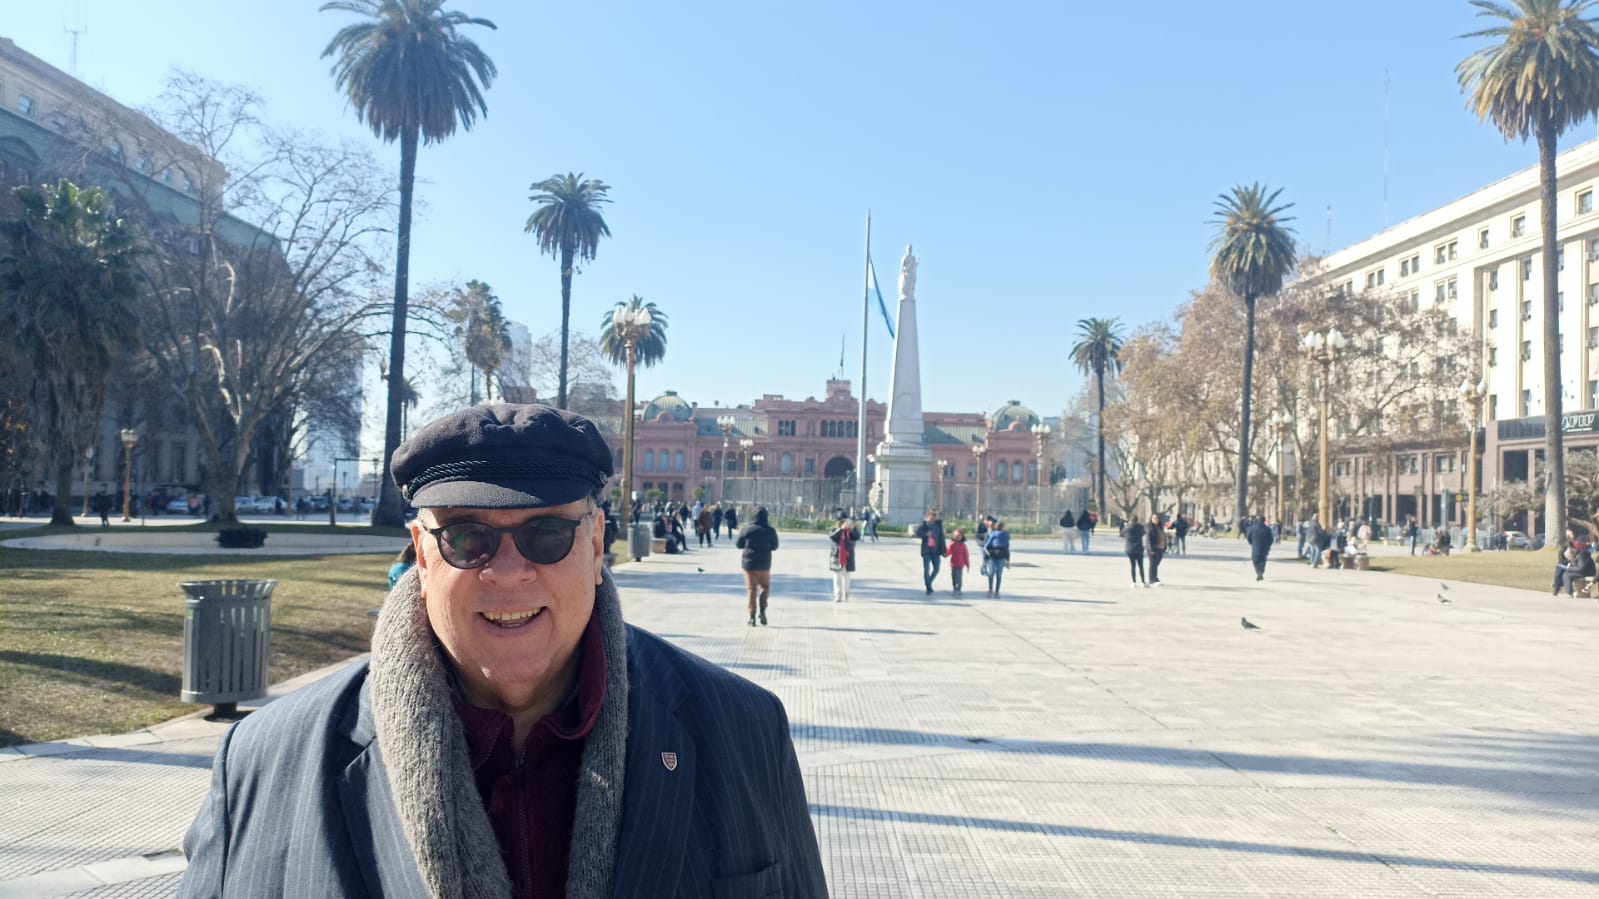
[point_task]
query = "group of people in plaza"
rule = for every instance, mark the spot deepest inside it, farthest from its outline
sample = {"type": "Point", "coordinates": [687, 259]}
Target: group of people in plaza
{"type": "Point", "coordinates": [672, 522]}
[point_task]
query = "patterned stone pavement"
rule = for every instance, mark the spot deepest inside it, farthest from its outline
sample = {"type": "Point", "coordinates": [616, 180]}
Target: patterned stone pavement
{"type": "Point", "coordinates": [1076, 737]}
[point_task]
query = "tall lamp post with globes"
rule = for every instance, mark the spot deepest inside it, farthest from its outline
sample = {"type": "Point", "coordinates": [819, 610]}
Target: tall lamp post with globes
{"type": "Point", "coordinates": [1324, 347]}
{"type": "Point", "coordinates": [943, 470]}
{"type": "Point", "coordinates": [977, 504]}
{"type": "Point", "coordinates": [724, 423]}
{"type": "Point", "coordinates": [1473, 395]}
{"type": "Point", "coordinates": [633, 326]}
{"type": "Point", "coordinates": [129, 438]}
{"type": "Point", "coordinates": [1040, 434]}
{"type": "Point", "coordinates": [755, 468]}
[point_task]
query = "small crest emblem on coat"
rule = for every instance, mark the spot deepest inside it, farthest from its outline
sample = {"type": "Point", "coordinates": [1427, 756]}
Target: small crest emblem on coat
{"type": "Point", "coordinates": [669, 759]}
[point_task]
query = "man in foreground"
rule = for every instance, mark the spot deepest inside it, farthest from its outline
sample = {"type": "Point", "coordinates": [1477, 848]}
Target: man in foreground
{"type": "Point", "coordinates": [511, 734]}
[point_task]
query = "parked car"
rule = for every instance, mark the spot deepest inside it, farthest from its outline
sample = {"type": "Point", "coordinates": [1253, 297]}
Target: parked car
{"type": "Point", "coordinates": [319, 503]}
{"type": "Point", "coordinates": [1517, 540]}
{"type": "Point", "coordinates": [178, 507]}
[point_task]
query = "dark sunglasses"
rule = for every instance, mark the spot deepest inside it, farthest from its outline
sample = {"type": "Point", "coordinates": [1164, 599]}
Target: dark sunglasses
{"type": "Point", "coordinates": [471, 544]}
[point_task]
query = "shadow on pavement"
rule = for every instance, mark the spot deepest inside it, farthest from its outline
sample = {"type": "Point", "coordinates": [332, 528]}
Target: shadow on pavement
{"type": "Point", "coordinates": [1356, 856]}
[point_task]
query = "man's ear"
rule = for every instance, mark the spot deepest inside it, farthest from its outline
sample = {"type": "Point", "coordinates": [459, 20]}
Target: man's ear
{"type": "Point", "coordinates": [417, 537]}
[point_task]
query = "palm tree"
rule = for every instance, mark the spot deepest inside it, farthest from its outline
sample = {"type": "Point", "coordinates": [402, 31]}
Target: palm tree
{"type": "Point", "coordinates": [1540, 79]}
{"type": "Point", "coordinates": [69, 290]}
{"type": "Point", "coordinates": [410, 76]}
{"type": "Point", "coordinates": [568, 224]}
{"type": "Point", "coordinates": [1099, 348]}
{"type": "Point", "coordinates": [1254, 253]}
{"type": "Point", "coordinates": [483, 330]}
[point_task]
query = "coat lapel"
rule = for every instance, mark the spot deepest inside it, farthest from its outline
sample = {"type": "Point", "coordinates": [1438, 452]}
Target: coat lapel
{"type": "Point", "coordinates": [370, 815]}
{"type": "Point", "coordinates": [658, 796]}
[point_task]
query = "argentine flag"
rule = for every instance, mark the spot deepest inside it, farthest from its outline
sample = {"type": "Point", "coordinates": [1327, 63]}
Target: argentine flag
{"type": "Point", "coordinates": [871, 284]}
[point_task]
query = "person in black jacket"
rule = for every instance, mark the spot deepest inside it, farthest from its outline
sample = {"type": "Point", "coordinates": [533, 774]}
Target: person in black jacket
{"type": "Point", "coordinates": [1133, 539]}
{"type": "Point", "coordinates": [930, 533]}
{"type": "Point", "coordinates": [1260, 540]}
{"type": "Point", "coordinates": [1068, 527]}
{"type": "Point", "coordinates": [1155, 537]}
{"type": "Point", "coordinates": [758, 542]}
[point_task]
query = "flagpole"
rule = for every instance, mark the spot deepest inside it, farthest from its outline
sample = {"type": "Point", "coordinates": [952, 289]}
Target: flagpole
{"type": "Point", "coordinates": [860, 425]}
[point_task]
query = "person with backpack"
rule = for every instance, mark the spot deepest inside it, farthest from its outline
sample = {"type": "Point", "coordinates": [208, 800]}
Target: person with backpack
{"type": "Point", "coordinates": [1068, 523]}
{"type": "Point", "coordinates": [1155, 537]}
{"type": "Point", "coordinates": [1133, 544]}
{"type": "Point", "coordinates": [758, 541]}
{"type": "Point", "coordinates": [1085, 526]}
{"type": "Point", "coordinates": [996, 555]}
{"type": "Point", "coordinates": [841, 559]}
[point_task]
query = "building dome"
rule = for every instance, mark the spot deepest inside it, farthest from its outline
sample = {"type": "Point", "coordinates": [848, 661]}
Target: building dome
{"type": "Point", "coordinates": [1014, 416]}
{"type": "Point", "coordinates": [668, 407]}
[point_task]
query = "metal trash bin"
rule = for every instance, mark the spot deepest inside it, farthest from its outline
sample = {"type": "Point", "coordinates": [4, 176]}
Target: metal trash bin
{"type": "Point", "coordinates": [227, 642]}
{"type": "Point", "coordinates": [638, 540]}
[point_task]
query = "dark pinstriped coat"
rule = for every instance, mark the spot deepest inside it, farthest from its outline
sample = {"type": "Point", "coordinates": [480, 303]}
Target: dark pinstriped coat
{"type": "Point", "coordinates": [300, 804]}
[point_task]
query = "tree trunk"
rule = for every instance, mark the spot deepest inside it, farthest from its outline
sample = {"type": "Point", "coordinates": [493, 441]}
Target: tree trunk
{"type": "Point", "coordinates": [389, 511]}
{"type": "Point", "coordinates": [1099, 372]}
{"type": "Point", "coordinates": [1554, 453]}
{"type": "Point", "coordinates": [61, 504]}
{"type": "Point", "coordinates": [566, 320]}
{"type": "Point", "coordinates": [1241, 508]}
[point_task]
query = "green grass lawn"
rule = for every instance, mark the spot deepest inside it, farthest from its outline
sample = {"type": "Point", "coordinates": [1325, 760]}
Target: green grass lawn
{"type": "Point", "coordinates": [92, 642]}
{"type": "Point", "coordinates": [1514, 568]}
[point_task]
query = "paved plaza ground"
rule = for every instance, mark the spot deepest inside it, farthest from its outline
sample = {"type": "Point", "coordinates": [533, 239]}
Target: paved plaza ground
{"type": "Point", "coordinates": [1076, 737]}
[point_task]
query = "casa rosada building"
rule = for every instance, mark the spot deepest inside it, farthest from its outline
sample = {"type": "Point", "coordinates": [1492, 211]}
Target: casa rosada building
{"type": "Point", "coordinates": [806, 448]}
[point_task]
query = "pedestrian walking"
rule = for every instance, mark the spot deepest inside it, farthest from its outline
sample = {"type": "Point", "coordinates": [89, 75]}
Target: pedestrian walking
{"type": "Point", "coordinates": [717, 514]}
{"type": "Point", "coordinates": [102, 504]}
{"type": "Point", "coordinates": [996, 555]}
{"type": "Point", "coordinates": [841, 559]}
{"type": "Point", "coordinates": [1260, 541]}
{"type": "Point", "coordinates": [702, 526]}
{"type": "Point", "coordinates": [1085, 526]}
{"type": "Point", "coordinates": [1410, 532]}
{"type": "Point", "coordinates": [1068, 524]}
{"type": "Point", "coordinates": [959, 559]}
{"type": "Point", "coordinates": [758, 542]}
{"type": "Point", "coordinates": [930, 534]}
{"type": "Point", "coordinates": [484, 748]}
{"type": "Point", "coordinates": [1132, 534]}
{"type": "Point", "coordinates": [731, 518]}
{"type": "Point", "coordinates": [1155, 539]}
{"type": "Point", "coordinates": [1180, 535]}
{"type": "Point", "coordinates": [871, 522]}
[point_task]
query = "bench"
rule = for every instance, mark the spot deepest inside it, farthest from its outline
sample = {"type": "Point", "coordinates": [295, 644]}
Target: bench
{"type": "Point", "coordinates": [658, 545]}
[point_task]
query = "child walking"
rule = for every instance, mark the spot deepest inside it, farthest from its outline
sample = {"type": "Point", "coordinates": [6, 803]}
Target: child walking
{"type": "Point", "coordinates": [959, 558]}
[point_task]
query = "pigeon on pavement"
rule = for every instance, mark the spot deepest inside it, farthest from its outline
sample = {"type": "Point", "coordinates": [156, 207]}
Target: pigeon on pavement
{"type": "Point", "coordinates": [1442, 598]}
{"type": "Point", "coordinates": [700, 570]}
{"type": "Point", "coordinates": [1249, 625]}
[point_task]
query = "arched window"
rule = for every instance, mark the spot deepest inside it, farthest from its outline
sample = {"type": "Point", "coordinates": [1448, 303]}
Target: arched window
{"type": "Point", "coordinates": [706, 462]}
{"type": "Point", "coordinates": [1000, 471]}
{"type": "Point", "coordinates": [649, 460]}
{"type": "Point", "coordinates": [1016, 471]}
{"type": "Point", "coordinates": [677, 461]}
{"type": "Point", "coordinates": [785, 464]}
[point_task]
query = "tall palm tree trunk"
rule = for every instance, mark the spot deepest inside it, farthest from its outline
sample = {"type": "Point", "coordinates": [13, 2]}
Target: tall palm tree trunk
{"type": "Point", "coordinates": [388, 512]}
{"type": "Point", "coordinates": [1241, 507]}
{"type": "Point", "coordinates": [566, 320]}
{"type": "Point", "coordinates": [1099, 372]}
{"type": "Point", "coordinates": [1554, 454]}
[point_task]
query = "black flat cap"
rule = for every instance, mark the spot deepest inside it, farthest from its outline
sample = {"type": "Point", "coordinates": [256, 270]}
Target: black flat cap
{"type": "Point", "coordinates": [502, 456]}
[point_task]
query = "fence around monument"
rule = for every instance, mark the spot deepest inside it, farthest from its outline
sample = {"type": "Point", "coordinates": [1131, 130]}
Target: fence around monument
{"type": "Point", "coordinates": [818, 497]}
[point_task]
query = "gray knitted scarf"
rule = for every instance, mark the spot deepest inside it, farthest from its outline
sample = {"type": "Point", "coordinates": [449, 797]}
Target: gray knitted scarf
{"type": "Point", "coordinates": [430, 771]}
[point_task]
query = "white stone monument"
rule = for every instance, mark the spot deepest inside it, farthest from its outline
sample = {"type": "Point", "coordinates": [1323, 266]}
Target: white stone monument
{"type": "Point", "coordinates": [904, 463]}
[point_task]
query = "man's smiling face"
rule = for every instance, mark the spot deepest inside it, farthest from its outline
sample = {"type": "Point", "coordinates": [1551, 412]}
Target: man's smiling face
{"type": "Point", "coordinates": [511, 627]}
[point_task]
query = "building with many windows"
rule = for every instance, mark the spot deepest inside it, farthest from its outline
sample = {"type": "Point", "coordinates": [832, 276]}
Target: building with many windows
{"type": "Point", "coordinates": [1480, 257]}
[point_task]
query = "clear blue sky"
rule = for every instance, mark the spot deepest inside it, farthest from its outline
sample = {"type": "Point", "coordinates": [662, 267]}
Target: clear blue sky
{"type": "Point", "coordinates": [1050, 161]}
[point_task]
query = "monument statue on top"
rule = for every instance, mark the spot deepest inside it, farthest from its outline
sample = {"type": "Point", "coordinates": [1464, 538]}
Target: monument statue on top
{"type": "Point", "coordinates": [904, 463]}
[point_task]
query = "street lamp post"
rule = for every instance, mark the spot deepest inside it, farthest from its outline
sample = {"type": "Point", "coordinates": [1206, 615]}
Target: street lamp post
{"type": "Point", "coordinates": [1040, 434]}
{"type": "Point", "coordinates": [129, 438]}
{"type": "Point", "coordinates": [943, 469]}
{"type": "Point", "coordinates": [1473, 394]}
{"type": "Point", "coordinates": [755, 462]}
{"type": "Point", "coordinates": [724, 423]}
{"type": "Point", "coordinates": [977, 506]}
{"type": "Point", "coordinates": [633, 325]}
{"type": "Point", "coordinates": [1324, 347]}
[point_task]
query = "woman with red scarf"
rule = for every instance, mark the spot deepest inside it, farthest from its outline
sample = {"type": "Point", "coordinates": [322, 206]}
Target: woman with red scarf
{"type": "Point", "coordinates": [842, 557]}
